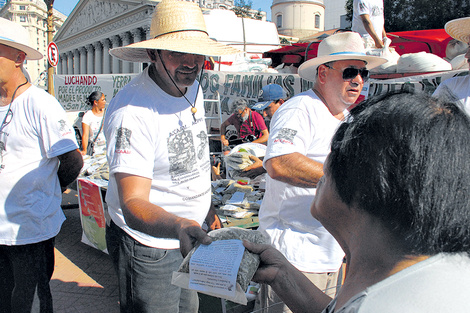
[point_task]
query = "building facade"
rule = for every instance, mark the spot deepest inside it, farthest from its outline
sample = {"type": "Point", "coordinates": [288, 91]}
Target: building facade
{"type": "Point", "coordinates": [96, 26]}
{"type": "Point", "coordinates": [32, 14]}
{"type": "Point", "coordinates": [298, 18]}
{"type": "Point", "coordinates": [335, 15]}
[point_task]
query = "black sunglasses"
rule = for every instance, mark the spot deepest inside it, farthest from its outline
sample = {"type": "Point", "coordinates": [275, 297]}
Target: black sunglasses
{"type": "Point", "coordinates": [351, 72]}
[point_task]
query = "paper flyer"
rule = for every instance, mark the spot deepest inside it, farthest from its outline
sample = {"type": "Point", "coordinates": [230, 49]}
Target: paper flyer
{"type": "Point", "coordinates": [213, 268]}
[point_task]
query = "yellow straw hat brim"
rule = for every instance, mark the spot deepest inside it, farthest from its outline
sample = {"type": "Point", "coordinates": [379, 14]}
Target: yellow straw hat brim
{"type": "Point", "coordinates": [176, 26]}
{"type": "Point", "coordinates": [459, 29]}
{"type": "Point", "coordinates": [193, 42]}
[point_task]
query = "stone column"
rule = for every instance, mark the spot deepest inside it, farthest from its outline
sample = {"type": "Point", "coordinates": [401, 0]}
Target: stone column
{"type": "Point", "coordinates": [106, 57]}
{"type": "Point", "coordinates": [116, 62]}
{"type": "Point", "coordinates": [82, 51]}
{"type": "Point", "coordinates": [137, 37]}
{"type": "Point", "coordinates": [69, 63]}
{"type": "Point", "coordinates": [76, 62]}
{"type": "Point", "coordinates": [90, 59]}
{"type": "Point", "coordinates": [98, 57]}
{"type": "Point", "coordinates": [127, 67]}
{"type": "Point", "coordinates": [63, 64]}
{"type": "Point", "coordinates": [146, 35]}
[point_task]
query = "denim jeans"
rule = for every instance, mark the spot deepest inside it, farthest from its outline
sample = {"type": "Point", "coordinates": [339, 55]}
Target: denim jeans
{"type": "Point", "coordinates": [23, 269]}
{"type": "Point", "coordinates": [144, 275]}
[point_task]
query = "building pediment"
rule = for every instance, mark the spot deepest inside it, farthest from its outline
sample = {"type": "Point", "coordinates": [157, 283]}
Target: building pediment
{"type": "Point", "coordinates": [91, 14]}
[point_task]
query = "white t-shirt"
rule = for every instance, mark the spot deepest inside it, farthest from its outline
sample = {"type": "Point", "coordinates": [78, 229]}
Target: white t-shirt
{"type": "Point", "coordinates": [304, 125]}
{"type": "Point", "coordinates": [30, 194]}
{"type": "Point", "coordinates": [375, 10]}
{"type": "Point", "coordinates": [94, 122]}
{"type": "Point", "coordinates": [153, 135]}
{"type": "Point", "coordinates": [456, 89]}
{"type": "Point", "coordinates": [438, 284]}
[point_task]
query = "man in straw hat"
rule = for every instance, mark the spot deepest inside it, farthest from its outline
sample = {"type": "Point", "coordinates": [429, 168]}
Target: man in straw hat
{"type": "Point", "coordinates": [458, 88]}
{"type": "Point", "coordinates": [301, 131]}
{"type": "Point", "coordinates": [39, 157]}
{"type": "Point", "coordinates": [159, 190]}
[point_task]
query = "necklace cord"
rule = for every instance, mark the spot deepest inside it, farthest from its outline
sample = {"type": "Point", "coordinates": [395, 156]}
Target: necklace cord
{"type": "Point", "coordinates": [181, 92]}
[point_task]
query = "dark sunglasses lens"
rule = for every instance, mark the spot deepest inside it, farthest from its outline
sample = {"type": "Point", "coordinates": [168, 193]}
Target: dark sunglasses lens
{"type": "Point", "coordinates": [350, 73]}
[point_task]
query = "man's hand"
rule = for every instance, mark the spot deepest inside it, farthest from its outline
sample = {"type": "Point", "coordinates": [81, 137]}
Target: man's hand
{"type": "Point", "coordinates": [272, 261]}
{"type": "Point", "coordinates": [254, 169]}
{"type": "Point", "coordinates": [212, 219]}
{"type": "Point", "coordinates": [190, 233]}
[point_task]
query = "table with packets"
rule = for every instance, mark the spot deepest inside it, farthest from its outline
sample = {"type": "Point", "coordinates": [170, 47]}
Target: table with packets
{"type": "Point", "coordinates": [237, 201]}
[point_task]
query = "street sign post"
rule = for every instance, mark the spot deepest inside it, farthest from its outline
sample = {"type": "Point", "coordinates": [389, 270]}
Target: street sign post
{"type": "Point", "coordinates": [53, 54]}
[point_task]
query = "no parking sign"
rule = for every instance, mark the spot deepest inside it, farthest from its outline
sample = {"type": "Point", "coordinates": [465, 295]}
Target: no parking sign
{"type": "Point", "coordinates": [53, 54]}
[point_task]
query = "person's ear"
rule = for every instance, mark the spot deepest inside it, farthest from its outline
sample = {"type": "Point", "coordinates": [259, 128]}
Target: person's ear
{"type": "Point", "coordinates": [152, 55]}
{"type": "Point", "coordinates": [322, 73]}
{"type": "Point", "coordinates": [20, 57]}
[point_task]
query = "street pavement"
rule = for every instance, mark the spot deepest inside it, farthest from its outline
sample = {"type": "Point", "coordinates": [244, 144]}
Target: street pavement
{"type": "Point", "coordinates": [84, 279]}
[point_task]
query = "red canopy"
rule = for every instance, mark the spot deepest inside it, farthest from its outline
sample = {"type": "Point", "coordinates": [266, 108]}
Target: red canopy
{"type": "Point", "coordinates": [431, 41]}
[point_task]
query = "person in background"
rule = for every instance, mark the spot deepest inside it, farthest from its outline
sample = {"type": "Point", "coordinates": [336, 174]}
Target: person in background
{"type": "Point", "coordinates": [457, 88]}
{"type": "Point", "coordinates": [368, 21]}
{"type": "Point", "coordinates": [271, 97]}
{"type": "Point", "coordinates": [403, 222]}
{"type": "Point", "coordinates": [301, 131]}
{"type": "Point", "coordinates": [249, 125]}
{"type": "Point", "coordinates": [92, 124]}
{"type": "Point", "coordinates": [159, 191]}
{"type": "Point", "coordinates": [39, 158]}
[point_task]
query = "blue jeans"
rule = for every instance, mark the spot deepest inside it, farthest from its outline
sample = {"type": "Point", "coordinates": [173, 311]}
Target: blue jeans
{"type": "Point", "coordinates": [144, 275]}
{"type": "Point", "coordinates": [23, 269]}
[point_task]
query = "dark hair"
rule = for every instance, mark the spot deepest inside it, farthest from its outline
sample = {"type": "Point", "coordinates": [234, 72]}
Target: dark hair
{"type": "Point", "coordinates": [404, 158]}
{"type": "Point", "coordinates": [94, 96]}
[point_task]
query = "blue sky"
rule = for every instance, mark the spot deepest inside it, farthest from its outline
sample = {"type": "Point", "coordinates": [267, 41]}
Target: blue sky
{"type": "Point", "coordinates": [66, 6]}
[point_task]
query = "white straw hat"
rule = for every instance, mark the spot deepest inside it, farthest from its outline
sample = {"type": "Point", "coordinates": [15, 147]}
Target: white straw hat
{"type": "Point", "coordinates": [337, 47]}
{"type": "Point", "coordinates": [176, 26]}
{"type": "Point", "coordinates": [459, 29]}
{"type": "Point", "coordinates": [16, 36]}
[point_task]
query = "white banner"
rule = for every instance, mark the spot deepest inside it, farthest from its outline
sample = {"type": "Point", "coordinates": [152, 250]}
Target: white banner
{"type": "Point", "coordinates": [72, 90]}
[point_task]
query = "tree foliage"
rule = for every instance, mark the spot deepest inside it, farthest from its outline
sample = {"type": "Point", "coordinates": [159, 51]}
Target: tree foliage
{"type": "Point", "coordinates": [401, 15]}
{"type": "Point", "coordinates": [242, 8]}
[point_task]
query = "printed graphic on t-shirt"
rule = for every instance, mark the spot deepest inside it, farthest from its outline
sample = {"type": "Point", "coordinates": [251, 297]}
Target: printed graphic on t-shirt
{"type": "Point", "coordinates": [203, 143]}
{"type": "Point", "coordinates": [182, 156]}
{"type": "Point", "coordinates": [286, 135]}
{"type": "Point", "coordinates": [123, 140]}
{"type": "Point", "coordinates": [376, 11]}
{"type": "Point", "coordinates": [63, 128]}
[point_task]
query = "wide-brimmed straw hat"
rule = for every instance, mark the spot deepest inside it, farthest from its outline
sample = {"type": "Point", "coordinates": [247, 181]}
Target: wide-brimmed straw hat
{"type": "Point", "coordinates": [176, 26]}
{"type": "Point", "coordinates": [337, 47]}
{"type": "Point", "coordinates": [459, 29]}
{"type": "Point", "coordinates": [16, 36]}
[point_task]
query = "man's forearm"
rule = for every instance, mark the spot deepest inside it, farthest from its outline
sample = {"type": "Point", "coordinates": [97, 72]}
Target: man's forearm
{"type": "Point", "coordinates": [295, 169]}
{"type": "Point", "coordinates": [69, 167]}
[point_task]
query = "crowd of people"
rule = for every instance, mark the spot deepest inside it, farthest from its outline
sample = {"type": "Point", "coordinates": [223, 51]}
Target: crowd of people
{"type": "Point", "coordinates": [382, 188]}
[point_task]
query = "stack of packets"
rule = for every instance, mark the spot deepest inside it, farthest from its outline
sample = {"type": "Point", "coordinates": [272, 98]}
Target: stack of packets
{"type": "Point", "coordinates": [95, 167]}
{"type": "Point", "coordinates": [224, 268]}
{"type": "Point", "coordinates": [236, 198]}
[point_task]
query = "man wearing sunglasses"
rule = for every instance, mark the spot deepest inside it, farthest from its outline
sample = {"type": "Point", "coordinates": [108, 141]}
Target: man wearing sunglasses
{"type": "Point", "coordinates": [301, 131]}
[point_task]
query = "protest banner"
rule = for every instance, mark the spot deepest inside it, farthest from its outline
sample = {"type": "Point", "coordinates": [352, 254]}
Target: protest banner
{"type": "Point", "coordinates": [72, 90]}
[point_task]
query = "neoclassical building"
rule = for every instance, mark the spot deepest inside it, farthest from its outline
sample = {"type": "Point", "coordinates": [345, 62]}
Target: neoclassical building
{"type": "Point", "coordinates": [94, 27]}
{"type": "Point", "coordinates": [32, 15]}
{"type": "Point", "coordinates": [298, 18]}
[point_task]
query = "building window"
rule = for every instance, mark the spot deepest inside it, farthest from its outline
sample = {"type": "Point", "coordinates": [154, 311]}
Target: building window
{"type": "Point", "coordinates": [23, 19]}
{"type": "Point", "coordinates": [279, 21]}
{"type": "Point", "coordinates": [317, 20]}
{"type": "Point", "coordinates": [22, 7]}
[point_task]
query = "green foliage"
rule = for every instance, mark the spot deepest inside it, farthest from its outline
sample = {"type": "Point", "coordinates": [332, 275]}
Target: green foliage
{"type": "Point", "coordinates": [401, 15]}
{"type": "Point", "coordinates": [242, 8]}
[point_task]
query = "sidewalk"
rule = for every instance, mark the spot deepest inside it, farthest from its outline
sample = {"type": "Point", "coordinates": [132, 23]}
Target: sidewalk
{"type": "Point", "coordinates": [84, 279]}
